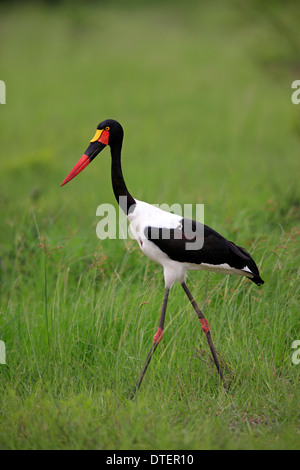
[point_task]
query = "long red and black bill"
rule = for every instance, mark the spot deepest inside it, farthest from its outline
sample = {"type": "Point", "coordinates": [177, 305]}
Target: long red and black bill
{"type": "Point", "coordinates": [97, 144]}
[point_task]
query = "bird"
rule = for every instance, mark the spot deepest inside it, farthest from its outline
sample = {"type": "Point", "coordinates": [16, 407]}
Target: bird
{"type": "Point", "coordinates": [176, 243]}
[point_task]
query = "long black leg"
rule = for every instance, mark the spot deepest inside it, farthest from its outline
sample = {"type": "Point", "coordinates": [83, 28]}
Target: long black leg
{"type": "Point", "coordinates": [205, 328]}
{"type": "Point", "coordinates": [157, 338]}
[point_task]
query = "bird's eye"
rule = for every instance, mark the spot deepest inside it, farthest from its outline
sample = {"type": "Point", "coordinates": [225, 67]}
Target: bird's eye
{"type": "Point", "coordinates": [107, 128]}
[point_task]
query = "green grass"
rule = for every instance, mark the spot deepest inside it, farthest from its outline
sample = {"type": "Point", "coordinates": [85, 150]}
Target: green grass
{"type": "Point", "coordinates": [203, 90]}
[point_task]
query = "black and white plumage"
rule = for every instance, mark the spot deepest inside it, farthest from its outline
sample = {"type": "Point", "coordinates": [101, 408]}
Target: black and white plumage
{"type": "Point", "coordinates": [163, 238]}
{"type": "Point", "coordinates": [167, 238]}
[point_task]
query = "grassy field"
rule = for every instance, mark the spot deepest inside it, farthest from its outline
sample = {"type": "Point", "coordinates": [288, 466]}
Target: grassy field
{"type": "Point", "coordinates": [203, 91]}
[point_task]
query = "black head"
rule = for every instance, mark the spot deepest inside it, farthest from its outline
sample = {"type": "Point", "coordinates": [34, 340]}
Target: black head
{"type": "Point", "coordinates": [114, 128]}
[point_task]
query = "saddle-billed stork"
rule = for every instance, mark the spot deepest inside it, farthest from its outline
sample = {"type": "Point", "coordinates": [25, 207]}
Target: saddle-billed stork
{"type": "Point", "coordinates": [176, 243]}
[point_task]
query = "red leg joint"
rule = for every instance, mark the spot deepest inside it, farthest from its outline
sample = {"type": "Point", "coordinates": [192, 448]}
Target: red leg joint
{"type": "Point", "coordinates": [204, 325]}
{"type": "Point", "coordinates": [158, 335]}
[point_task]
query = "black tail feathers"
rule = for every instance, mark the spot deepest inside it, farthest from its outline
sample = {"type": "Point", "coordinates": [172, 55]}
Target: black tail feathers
{"type": "Point", "coordinates": [245, 258]}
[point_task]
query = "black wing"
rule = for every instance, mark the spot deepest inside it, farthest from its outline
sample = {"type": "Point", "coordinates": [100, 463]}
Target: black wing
{"type": "Point", "coordinates": [193, 242]}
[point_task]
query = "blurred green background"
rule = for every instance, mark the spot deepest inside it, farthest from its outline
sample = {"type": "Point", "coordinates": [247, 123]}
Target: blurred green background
{"type": "Point", "coordinates": [203, 91]}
